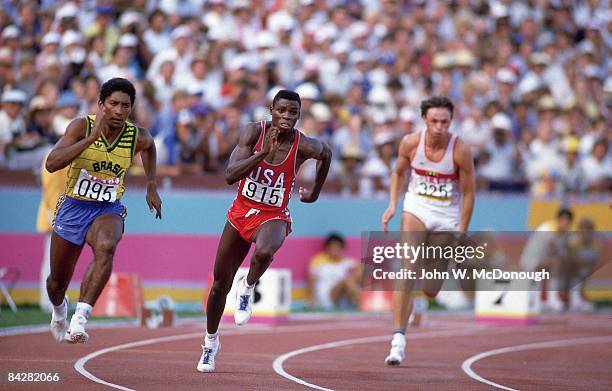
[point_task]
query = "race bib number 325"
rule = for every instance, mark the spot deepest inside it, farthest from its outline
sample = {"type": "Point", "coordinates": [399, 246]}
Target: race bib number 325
{"type": "Point", "coordinates": [96, 189]}
{"type": "Point", "coordinates": [439, 191]}
{"type": "Point", "coordinates": [268, 195]}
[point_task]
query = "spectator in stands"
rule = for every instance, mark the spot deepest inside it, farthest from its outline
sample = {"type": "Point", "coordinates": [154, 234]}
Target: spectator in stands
{"type": "Point", "coordinates": [572, 176]}
{"type": "Point", "coordinates": [334, 277]}
{"type": "Point", "coordinates": [67, 107]}
{"type": "Point", "coordinates": [501, 158]}
{"type": "Point", "coordinates": [542, 170]}
{"type": "Point", "coordinates": [348, 170]}
{"type": "Point", "coordinates": [40, 120]}
{"type": "Point", "coordinates": [12, 123]}
{"type": "Point", "coordinates": [361, 60]}
{"type": "Point", "coordinates": [123, 63]}
{"type": "Point", "coordinates": [376, 171]}
{"type": "Point", "coordinates": [157, 36]}
{"type": "Point", "coordinates": [598, 167]}
{"type": "Point", "coordinates": [227, 132]}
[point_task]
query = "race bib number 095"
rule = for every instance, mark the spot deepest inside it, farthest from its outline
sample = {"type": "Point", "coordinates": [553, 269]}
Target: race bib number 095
{"type": "Point", "coordinates": [257, 192]}
{"type": "Point", "coordinates": [96, 189]}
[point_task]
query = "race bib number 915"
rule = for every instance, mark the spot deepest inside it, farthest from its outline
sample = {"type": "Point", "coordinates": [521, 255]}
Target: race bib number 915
{"type": "Point", "coordinates": [96, 189]}
{"type": "Point", "coordinates": [257, 192]}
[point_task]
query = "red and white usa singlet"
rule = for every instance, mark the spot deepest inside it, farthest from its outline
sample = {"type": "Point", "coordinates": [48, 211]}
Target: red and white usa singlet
{"type": "Point", "coordinates": [264, 194]}
{"type": "Point", "coordinates": [433, 191]}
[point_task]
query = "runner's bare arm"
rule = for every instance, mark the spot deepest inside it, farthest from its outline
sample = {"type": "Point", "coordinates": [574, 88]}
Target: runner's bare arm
{"type": "Point", "coordinates": [407, 146]}
{"type": "Point", "coordinates": [70, 146]}
{"type": "Point", "coordinates": [243, 160]}
{"type": "Point", "coordinates": [314, 149]}
{"type": "Point", "coordinates": [146, 146]}
{"type": "Point", "coordinates": [463, 160]}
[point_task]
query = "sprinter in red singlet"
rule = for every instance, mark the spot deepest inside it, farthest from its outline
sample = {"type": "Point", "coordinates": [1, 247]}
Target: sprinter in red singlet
{"type": "Point", "coordinates": [264, 162]}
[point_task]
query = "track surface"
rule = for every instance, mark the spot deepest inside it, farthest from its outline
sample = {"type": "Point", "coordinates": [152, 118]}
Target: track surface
{"type": "Point", "coordinates": [568, 352]}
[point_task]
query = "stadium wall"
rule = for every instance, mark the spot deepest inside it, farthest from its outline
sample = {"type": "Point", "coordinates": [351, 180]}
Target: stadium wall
{"type": "Point", "coordinates": [175, 256]}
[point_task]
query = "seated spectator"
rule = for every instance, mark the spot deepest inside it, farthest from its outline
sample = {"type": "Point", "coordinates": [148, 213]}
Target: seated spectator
{"type": "Point", "coordinates": [12, 123]}
{"type": "Point", "coordinates": [598, 167]}
{"type": "Point", "coordinates": [571, 180]}
{"type": "Point", "coordinates": [500, 162]}
{"type": "Point", "coordinates": [376, 172]}
{"type": "Point", "coordinates": [190, 138]}
{"type": "Point", "coordinates": [67, 106]}
{"type": "Point", "coordinates": [475, 132]}
{"type": "Point", "coordinates": [227, 133]}
{"type": "Point", "coordinates": [40, 119]}
{"type": "Point", "coordinates": [334, 277]}
{"type": "Point", "coordinates": [542, 170]}
{"type": "Point", "coordinates": [348, 170]}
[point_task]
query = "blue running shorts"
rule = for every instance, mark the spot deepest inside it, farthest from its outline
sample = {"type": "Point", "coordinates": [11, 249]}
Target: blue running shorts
{"type": "Point", "coordinates": [74, 217]}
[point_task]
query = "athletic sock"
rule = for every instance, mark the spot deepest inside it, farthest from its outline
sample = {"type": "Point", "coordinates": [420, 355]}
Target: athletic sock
{"type": "Point", "coordinates": [60, 311]}
{"type": "Point", "coordinates": [211, 339]}
{"type": "Point", "coordinates": [83, 309]}
{"type": "Point", "coordinates": [399, 331]}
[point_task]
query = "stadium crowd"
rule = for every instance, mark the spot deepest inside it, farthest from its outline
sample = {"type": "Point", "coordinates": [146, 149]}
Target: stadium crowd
{"type": "Point", "coordinates": [530, 80]}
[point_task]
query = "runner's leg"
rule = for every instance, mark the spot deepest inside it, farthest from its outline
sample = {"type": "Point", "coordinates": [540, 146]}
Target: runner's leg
{"type": "Point", "coordinates": [230, 254]}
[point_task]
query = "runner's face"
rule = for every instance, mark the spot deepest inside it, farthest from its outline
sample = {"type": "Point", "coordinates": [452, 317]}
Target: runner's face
{"type": "Point", "coordinates": [437, 120]}
{"type": "Point", "coordinates": [285, 114]}
{"type": "Point", "coordinates": [117, 107]}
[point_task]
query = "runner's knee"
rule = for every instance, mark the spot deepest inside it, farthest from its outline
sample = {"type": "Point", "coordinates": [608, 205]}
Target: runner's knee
{"type": "Point", "coordinates": [105, 246]}
{"type": "Point", "coordinates": [264, 255]}
{"type": "Point", "coordinates": [221, 287]}
{"type": "Point", "coordinates": [56, 285]}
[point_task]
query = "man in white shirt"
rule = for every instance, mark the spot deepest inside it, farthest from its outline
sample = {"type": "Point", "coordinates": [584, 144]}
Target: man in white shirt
{"type": "Point", "coordinates": [11, 119]}
{"type": "Point", "coordinates": [598, 167]}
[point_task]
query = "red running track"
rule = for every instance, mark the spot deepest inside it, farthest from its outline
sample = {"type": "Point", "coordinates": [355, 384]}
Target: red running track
{"type": "Point", "coordinates": [338, 352]}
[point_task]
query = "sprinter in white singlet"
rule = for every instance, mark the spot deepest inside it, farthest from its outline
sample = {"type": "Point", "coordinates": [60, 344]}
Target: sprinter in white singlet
{"type": "Point", "coordinates": [440, 197]}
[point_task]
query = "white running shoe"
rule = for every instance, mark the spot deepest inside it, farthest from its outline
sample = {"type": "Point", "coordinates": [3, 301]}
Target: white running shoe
{"type": "Point", "coordinates": [396, 354]}
{"type": "Point", "coordinates": [244, 303]}
{"type": "Point", "coordinates": [76, 332]}
{"type": "Point", "coordinates": [207, 360]}
{"type": "Point", "coordinates": [59, 326]}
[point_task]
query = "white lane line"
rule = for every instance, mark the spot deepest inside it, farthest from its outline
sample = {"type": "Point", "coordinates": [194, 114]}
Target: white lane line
{"type": "Point", "coordinates": [279, 361]}
{"type": "Point", "coordinates": [37, 329]}
{"type": "Point", "coordinates": [467, 364]}
{"type": "Point", "coordinates": [79, 366]}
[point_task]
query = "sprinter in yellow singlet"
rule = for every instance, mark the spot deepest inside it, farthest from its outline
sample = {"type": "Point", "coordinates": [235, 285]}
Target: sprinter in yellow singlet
{"type": "Point", "coordinates": [98, 150]}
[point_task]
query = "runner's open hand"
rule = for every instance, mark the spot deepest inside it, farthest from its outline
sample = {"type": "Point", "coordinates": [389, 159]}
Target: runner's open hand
{"type": "Point", "coordinates": [386, 217]}
{"type": "Point", "coordinates": [154, 201]}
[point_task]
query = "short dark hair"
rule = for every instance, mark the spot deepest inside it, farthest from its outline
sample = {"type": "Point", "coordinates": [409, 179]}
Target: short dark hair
{"type": "Point", "coordinates": [438, 102]}
{"type": "Point", "coordinates": [118, 84]}
{"type": "Point", "coordinates": [334, 237]}
{"type": "Point", "coordinates": [287, 94]}
{"type": "Point", "coordinates": [565, 212]}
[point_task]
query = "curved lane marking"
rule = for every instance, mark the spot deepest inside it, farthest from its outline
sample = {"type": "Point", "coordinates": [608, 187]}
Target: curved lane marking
{"type": "Point", "coordinates": [466, 366]}
{"type": "Point", "coordinates": [79, 366]}
{"type": "Point", "coordinates": [279, 361]}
